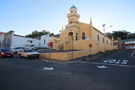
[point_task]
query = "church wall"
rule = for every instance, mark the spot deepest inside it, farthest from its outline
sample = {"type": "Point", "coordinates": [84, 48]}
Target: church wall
{"type": "Point", "coordinates": [86, 30]}
{"type": "Point", "coordinates": [62, 36]}
{"type": "Point", "coordinates": [101, 36]}
{"type": "Point", "coordinates": [81, 24]}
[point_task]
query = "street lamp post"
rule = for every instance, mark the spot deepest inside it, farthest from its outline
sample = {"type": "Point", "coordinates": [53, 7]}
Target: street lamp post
{"type": "Point", "coordinates": [104, 36]}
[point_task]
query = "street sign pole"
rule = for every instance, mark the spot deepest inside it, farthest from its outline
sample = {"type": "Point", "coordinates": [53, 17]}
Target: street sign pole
{"type": "Point", "coordinates": [90, 45]}
{"type": "Point", "coordinates": [72, 48]}
{"type": "Point", "coordinates": [50, 51]}
{"type": "Point", "coordinates": [90, 51]}
{"type": "Point", "coordinates": [50, 44]}
{"type": "Point", "coordinates": [49, 54]}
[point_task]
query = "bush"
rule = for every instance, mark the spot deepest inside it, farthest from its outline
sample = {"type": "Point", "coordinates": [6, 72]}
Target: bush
{"type": "Point", "coordinates": [100, 52]}
{"type": "Point", "coordinates": [105, 53]}
{"type": "Point", "coordinates": [109, 51]}
{"type": "Point", "coordinates": [89, 55]}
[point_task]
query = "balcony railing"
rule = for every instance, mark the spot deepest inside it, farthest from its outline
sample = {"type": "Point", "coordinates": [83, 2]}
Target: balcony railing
{"type": "Point", "coordinates": [68, 15]}
{"type": "Point", "coordinates": [72, 25]}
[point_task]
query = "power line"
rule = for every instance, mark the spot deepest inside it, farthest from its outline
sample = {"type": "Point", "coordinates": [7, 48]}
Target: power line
{"type": "Point", "coordinates": [43, 4]}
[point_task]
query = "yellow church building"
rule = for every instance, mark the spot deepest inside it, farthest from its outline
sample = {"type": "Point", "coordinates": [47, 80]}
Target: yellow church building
{"type": "Point", "coordinates": [81, 35]}
{"type": "Point", "coordinates": [78, 36]}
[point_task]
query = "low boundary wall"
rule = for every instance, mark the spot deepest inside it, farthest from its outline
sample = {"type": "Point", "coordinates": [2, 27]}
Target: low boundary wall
{"type": "Point", "coordinates": [65, 55]}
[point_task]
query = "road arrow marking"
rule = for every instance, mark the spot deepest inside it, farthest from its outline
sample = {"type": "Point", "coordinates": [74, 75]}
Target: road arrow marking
{"type": "Point", "coordinates": [47, 68]}
{"type": "Point", "coordinates": [103, 66]}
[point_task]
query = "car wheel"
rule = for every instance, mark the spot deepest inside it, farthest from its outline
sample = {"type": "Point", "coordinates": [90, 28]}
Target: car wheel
{"type": "Point", "coordinates": [20, 55]}
{"type": "Point", "coordinates": [29, 57]}
{"type": "Point", "coordinates": [0, 56]}
{"type": "Point", "coordinates": [15, 52]}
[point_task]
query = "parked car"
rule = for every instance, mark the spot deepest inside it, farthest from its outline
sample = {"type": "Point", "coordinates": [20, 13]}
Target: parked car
{"type": "Point", "coordinates": [6, 53]}
{"type": "Point", "coordinates": [17, 49]}
{"type": "Point", "coordinates": [31, 47]}
{"type": "Point", "coordinates": [29, 53]}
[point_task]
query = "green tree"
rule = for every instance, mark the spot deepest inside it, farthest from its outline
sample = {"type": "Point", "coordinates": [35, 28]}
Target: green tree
{"type": "Point", "coordinates": [37, 34]}
{"type": "Point", "coordinates": [123, 34]}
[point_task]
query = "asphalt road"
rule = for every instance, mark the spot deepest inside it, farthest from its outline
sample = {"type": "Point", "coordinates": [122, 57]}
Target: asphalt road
{"type": "Point", "coordinates": [105, 73]}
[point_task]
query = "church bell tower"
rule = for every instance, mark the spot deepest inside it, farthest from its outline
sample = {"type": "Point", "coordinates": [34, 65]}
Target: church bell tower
{"type": "Point", "coordinates": [73, 18]}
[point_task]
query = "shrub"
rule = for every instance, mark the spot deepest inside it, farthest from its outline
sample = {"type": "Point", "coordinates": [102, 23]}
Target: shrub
{"type": "Point", "coordinates": [89, 55]}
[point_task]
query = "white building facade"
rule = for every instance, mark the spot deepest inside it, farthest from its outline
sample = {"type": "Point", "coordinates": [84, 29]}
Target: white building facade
{"type": "Point", "coordinates": [11, 40]}
{"type": "Point", "coordinates": [1, 40]}
{"type": "Point", "coordinates": [44, 40]}
{"type": "Point", "coordinates": [19, 41]}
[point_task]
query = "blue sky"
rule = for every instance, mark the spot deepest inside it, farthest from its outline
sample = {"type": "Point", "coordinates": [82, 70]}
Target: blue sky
{"type": "Point", "coordinates": [25, 16]}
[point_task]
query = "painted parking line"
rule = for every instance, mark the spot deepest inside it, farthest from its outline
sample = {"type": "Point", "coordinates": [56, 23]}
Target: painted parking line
{"type": "Point", "coordinates": [96, 63]}
{"type": "Point", "coordinates": [132, 54]}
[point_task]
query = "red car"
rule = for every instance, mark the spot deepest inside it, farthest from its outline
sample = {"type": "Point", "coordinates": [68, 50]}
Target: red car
{"type": "Point", "coordinates": [6, 53]}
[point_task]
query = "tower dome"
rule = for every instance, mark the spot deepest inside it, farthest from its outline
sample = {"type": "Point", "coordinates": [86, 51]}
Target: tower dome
{"type": "Point", "coordinates": [73, 7]}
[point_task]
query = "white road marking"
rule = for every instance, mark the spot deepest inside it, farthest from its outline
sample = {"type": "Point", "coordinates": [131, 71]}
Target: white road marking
{"type": "Point", "coordinates": [116, 61]}
{"type": "Point", "coordinates": [132, 54]}
{"type": "Point", "coordinates": [110, 64]}
{"type": "Point", "coordinates": [47, 68]}
{"type": "Point", "coordinates": [103, 66]}
{"type": "Point", "coordinates": [124, 62]}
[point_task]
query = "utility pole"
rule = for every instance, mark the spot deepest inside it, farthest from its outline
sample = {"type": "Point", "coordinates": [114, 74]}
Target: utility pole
{"type": "Point", "coordinates": [105, 36]}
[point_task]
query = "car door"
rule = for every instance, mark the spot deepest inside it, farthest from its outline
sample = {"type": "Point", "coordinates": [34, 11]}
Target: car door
{"type": "Point", "coordinates": [25, 53]}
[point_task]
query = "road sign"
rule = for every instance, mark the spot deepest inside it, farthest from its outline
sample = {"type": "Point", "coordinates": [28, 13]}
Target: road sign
{"type": "Point", "coordinates": [51, 43]}
{"type": "Point", "coordinates": [90, 45]}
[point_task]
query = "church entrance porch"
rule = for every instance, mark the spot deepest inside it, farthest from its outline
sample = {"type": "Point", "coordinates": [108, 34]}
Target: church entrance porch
{"type": "Point", "coordinates": [70, 36]}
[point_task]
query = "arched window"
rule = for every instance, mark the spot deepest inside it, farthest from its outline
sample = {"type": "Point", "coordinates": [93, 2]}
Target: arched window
{"type": "Point", "coordinates": [71, 22]}
{"type": "Point", "coordinates": [83, 36]}
{"type": "Point", "coordinates": [98, 37]}
{"type": "Point", "coordinates": [72, 11]}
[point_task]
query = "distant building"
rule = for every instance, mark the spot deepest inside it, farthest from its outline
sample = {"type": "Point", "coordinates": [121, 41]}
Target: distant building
{"type": "Point", "coordinates": [1, 33]}
{"type": "Point", "coordinates": [128, 44]}
{"type": "Point", "coordinates": [44, 40]}
{"type": "Point", "coordinates": [1, 40]}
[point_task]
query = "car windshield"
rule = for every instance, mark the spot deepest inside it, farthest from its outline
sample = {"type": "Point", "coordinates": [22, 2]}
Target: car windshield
{"type": "Point", "coordinates": [30, 50]}
{"type": "Point", "coordinates": [22, 48]}
{"type": "Point", "coordinates": [17, 48]}
{"type": "Point", "coordinates": [32, 45]}
{"type": "Point", "coordinates": [5, 50]}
